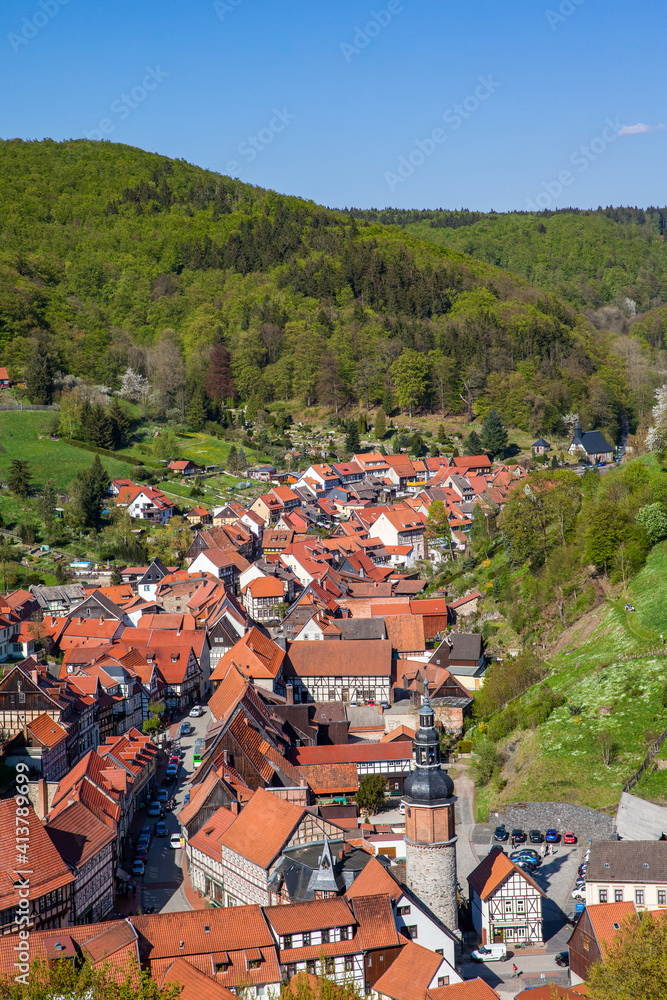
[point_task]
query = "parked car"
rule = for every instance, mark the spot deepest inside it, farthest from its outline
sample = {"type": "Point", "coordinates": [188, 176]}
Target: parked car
{"type": "Point", "coordinates": [160, 829]}
{"type": "Point", "coordinates": [490, 953]}
{"type": "Point", "coordinates": [535, 837]}
{"type": "Point", "coordinates": [154, 809]}
{"type": "Point", "coordinates": [527, 866]}
{"type": "Point", "coordinates": [171, 773]}
{"type": "Point", "coordinates": [143, 843]}
{"type": "Point", "coordinates": [578, 894]}
{"type": "Point", "coordinates": [187, 798]}
{"type": "Point", "coordinates": [175, 840]}
{"type": "Point", "coordinates": [569, 838]}
{"type": "Point", "coordinates": [141, 854]}
{"type": "Point", "coordinates": [162, 795]}
{"type": "Point", "coordinates": [186, 729]}
{"type": "Point", "coordinates": [552, 836]}
{"type": "Point", "coordinates": [563, 959]}
{"type": "Point", "coordinates": [401, 808]}
{"type": "Point", "coordinates": [518, 836]}
{"type": "Point", "coordinates": [196, 711]}
{"type": "Point", "coordinates": [501, 833]}
{"type": "Point", "coordinates": [525, 852]}
{"type": "Point", "coordinates": [138, 868]}
{"type": "Point", "coordinates": [146, 829]}
{"type": "Point", "coordinates": [175, 759]}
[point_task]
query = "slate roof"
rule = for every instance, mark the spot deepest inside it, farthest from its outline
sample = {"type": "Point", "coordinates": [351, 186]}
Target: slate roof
{"type": "Point", "coordinates": [593, 442]}
{"type": "Point", "coordinates": [638, 861]}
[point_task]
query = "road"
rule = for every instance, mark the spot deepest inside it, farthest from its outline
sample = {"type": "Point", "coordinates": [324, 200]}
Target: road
{"type": "Point", "coordinates": [161, 884]}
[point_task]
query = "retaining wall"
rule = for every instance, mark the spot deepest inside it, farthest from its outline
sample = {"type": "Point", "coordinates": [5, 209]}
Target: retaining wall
{"type": "Point", "coordinates": [586, 824]}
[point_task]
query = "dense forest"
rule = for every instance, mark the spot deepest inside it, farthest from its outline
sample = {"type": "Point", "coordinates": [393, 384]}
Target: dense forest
{"type": "Point", "coordinates": [591, 258]}
{"type": "Point", "coordinates": [114, 260]}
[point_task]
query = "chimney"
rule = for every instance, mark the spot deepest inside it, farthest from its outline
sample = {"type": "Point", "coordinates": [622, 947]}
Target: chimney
{"type": "Point", "coordinates": [289, 697]}
{"type": "Point", "coordinates": [42, 799]}
{"type": "Point", "coordinates": [34, 674]}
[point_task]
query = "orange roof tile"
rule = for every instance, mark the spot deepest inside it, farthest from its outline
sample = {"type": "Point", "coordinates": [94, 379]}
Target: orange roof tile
{"type": "Point", "coordinates": [47, 730]}
{"type": "Point", "coordinates": [473, 989]}
{"type": "Point", "coordinates": [409, 974]}
{"type": "Point", "coordinates": [195, 985]}
{"type": "Point", "coordinates": [330, 779]}
{"type": "Point", "coordinates": [604, 917]}
{"type": "Point", "coordinates": [48, 870]}
{"type": "Point", "coordinates": [374, 878]}
{"type": "Point", "coordinates": [262, 828]}
{"type": "Point", "coordinates": [311, 915]}
{"type": "Point", "coordinates": [493, 870]}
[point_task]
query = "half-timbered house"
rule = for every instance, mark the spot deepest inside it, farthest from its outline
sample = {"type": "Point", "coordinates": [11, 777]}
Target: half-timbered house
{"type": "Point", "coordinates": [506, 903]}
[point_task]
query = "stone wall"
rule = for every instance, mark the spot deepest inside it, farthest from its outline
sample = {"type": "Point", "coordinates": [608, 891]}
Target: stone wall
{"type": "Point", "coordinates": [431, 874]}
{"type": "Point", "coordinates": [586, 824]}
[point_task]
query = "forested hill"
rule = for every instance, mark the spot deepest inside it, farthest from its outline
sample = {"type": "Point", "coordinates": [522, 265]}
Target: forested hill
{"type": "Point", "coordinates": [113, 257]}
{"type": "Point", "coordinates": [591, 258]}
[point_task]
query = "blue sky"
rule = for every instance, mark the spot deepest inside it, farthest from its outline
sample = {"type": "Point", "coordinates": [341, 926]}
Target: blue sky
{"type": "Point", "coordinates": [350, 102]}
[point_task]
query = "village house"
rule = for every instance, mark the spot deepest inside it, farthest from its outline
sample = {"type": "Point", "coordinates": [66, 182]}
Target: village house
{"type": "Point", "coordinates": [86, 844]}
{"type": "Point", "coordinates": [261, 598]}
{"type": "Point", "coordinates": [505, 902]}
{"type": "Point", "coordinates": [591, 445]}
{"type": "Point", "coordinates": [405, 529]}
{"type": "Point", "coordinates": [49, 887]}
{"type": "Point", "coordinates": [393, 760]}
{"type": "Point", "coordinates": [594, 930]}
{"type": "Point", "coordinates": [462, 653]}
{"type": "Point", "coordinates": [256, 657]}
{"type": "Point", "coordinates": [354, 671]}
{"type": "Point", "coordinates": [145, 503]}
{"type": "Point", "coordinates": [184, 467]}
{"type": "Point", "coordinates": [622, 870]}
{"type": "Point", "coordinates": [42, 745]}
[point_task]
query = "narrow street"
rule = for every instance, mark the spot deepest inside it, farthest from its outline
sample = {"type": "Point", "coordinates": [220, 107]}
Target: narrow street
{"type": "Point", "coordinates": [161, 885]}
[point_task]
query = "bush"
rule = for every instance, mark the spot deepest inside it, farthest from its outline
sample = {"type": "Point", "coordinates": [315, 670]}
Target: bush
{"type": "Point", "coordinates": [486, 761]}
{"type": "Point", "coordinates": [465, 746]}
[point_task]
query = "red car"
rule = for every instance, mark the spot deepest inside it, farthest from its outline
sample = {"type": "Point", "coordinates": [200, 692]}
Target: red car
{"type": "Point", "coordinates": [569, 838]}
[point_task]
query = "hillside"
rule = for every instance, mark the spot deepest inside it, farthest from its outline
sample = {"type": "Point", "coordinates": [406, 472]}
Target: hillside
{"type": "Point", "coordinates": [592, 259]}
{"type": "Point", "coordinates": [114, 258]}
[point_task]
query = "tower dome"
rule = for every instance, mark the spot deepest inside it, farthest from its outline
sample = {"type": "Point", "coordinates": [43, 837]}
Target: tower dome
{"type": "Point", "coordinates": [428, 782]}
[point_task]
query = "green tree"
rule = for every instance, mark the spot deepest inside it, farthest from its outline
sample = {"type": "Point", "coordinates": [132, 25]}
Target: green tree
{"type": "Point", "coordinates": [608, 526]}
{"type": "Point", "coordinates": [119, 425]}
{"type": "Point", "coordinates": [87, 491]}
{"type": "Point", "coordinates": [410, 373]}
{"type": "Point", "coordinates": [437, 524]}
{"type": "Point", "coordinates": [46, 504]}
{"type": "Point", "coordinates": [352, 442]}
{"type": "Point", "coordinates": [473, 444]}
{"type": "Point", "coordinates": [41, 981]}
{"type": "Point", "coordinates": [19, 477]}
{"type": "Point", "coordinates": [494, 435]}
{"type": "Point", "coordinates": [486, 761]}
{"type": "Point", "coordinates": [380, 424]}
{"type": "Point", "coordinates": [371, 792]}
{"type": "Point", "coordinates": [635, 962]}
{"type": "Point", "coordinates": [116, 578]}
{"type": "Point", "coordinates": [653, 520]}
{"type": "Point", "coordinates": [196, 412]}
{"type": "Point", "coordinates": [38, 375]}
{"type": "Point", "coordinates": [387, 401]}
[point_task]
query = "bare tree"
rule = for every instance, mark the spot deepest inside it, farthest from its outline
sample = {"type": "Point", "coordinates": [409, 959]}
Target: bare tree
{"type": "Point", "coordinates": [166, 368]}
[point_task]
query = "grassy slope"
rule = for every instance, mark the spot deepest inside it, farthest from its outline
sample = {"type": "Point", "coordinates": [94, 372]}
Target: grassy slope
{"type": "Point", "coordinates": [561, 760]}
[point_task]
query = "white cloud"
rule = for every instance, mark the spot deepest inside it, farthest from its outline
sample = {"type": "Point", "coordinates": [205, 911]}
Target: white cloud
{"type": "Point", "coordinates": [639, 129]}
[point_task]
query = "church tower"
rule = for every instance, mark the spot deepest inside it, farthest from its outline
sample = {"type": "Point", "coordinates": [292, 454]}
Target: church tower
{"type": "Point", "coordinates": [430, 825]}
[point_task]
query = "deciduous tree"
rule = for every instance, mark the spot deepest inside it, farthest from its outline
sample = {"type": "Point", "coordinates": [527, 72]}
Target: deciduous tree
{"type": "Point", "coordinates": [635, 962]}
{"type": "Point", "coordinates": [410, 374]}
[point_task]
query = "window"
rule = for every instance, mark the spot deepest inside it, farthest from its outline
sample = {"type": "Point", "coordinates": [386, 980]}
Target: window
{"type": "Point", "coordinates": [508, 906]}
{"type": "Point", "coordinates": [21, 697]}
{"type": "Point", "coordinates": [403, 911]}
{"type": "Point", "coordinates": [349, 963]}
{"type": "Point", "coordinates": [662, 897]}
{"type": "Point", "coordinates": [287, 941]}
{"type": "Point", "coordinates": [290, 969]}
{"type": "Point", "coordinates": [325, 937]}
{"type": "Point", "coordinates": [310, 966]}
{"type": "Point", "coordinates": [443, 980]}
{"type": "Point", "coordinates": [330, 965]}
{"type": "Point", "coordinates": [586, 942]}
{"type": "Point", "coordinates": [306, 939]}
{"type": "Point", "coordinates": [603, 895]}
{"type": "Point", "coordinates": [521, 906]}
{"type": "Point", "coordinates": [220, 966]}
{"type": "Point", "coordinates": [253, 963]}
{"type": "Point", "coordinates": [639, 897]}
{"type": "Point", "coordinates": [411, 931]}
{"type": "Point", "coordinates": [344, 933]}
{"type": "Point", "coordinates": [618, 895]}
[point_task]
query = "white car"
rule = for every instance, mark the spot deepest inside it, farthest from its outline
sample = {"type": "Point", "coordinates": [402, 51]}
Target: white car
{"type": "Point", "coordinates": [175, 841]}
{"type": "Point", "coordinates": [196, 711]}
{"type": "Point", "coordinates": [579, 894]}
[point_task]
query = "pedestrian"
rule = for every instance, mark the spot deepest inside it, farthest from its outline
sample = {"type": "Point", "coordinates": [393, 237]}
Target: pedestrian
{"type": "Point", "coordinates": [515, 971]}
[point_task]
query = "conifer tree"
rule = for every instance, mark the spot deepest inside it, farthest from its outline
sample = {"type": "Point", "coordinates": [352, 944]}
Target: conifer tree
{"type": "Point", "coordinates": [380, 424]}
{"type": "Point", "coordinates": [19, 477]}
{"type": "Point", "coordinates": [219, 379]}
{"type": "Point", "coordinates": [473, 445]}
{"type": "Point", "coordinates": [494, 435]}
{"type": "Point", "coordinates": [120, 424]}
{"type": "Point", "coordinates": [46, 504]}
{"type": "Point", "coordinates": [39, 376]}
{"type": "Point", "coordinates": [352, 442]}
{"type": "Point", "coordinates": [196, 412]}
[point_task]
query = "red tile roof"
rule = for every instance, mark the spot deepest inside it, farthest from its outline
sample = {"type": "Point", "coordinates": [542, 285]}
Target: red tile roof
{"type": "Point", "coordinates": [262, 828]}
{"type": "Point", "coordinates": [330, 779]}
{"type": "Point", "coordinates": [353, 752]}
{"type": "Point", "coordinates": [255, 655]}
{"type": "Point", "coordinates": [372, 879]}
{"type": "Point", "coordinates": [312, 915]}
{"type": "Point", "coordinates": [375, 917]}
{"type": "Point", "coordinates": [473, 989]}
{"type": "Point", "coordinates": [493, 870]}
{"type": "Point", "coordinates": [409, 974]}
{"type": "Point", "coordinates": [47, 730]}
{"type": "Point", "coordinates": [603, 916]}
{"type": "Point", "coordinates": [354, 657]}
{"type": "Point", "coordinates": [48, 870]}
{"type": "Point", "coordinates": [195, 985]}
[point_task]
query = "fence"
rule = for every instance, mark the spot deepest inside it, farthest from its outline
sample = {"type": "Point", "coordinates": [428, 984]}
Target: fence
{"type": "Point", "coordinates": [31, 406]}
{"type": "Point", "coordinates": [648, 760]}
